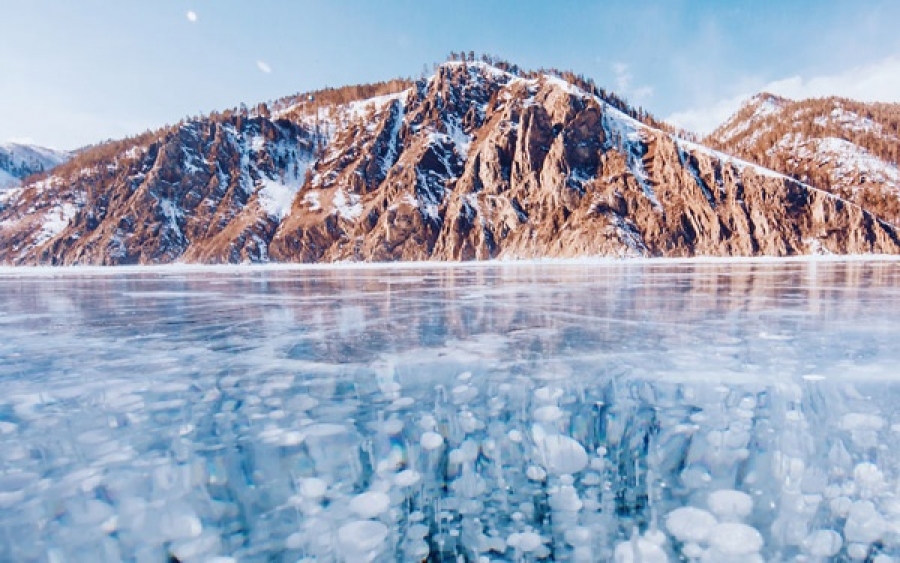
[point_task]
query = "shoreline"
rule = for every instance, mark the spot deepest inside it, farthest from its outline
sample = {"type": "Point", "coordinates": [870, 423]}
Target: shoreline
{"type": "Point", "coordinates": [180, 268]}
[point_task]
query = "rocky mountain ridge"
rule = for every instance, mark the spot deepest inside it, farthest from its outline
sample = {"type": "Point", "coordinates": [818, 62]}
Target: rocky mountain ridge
{"type": "Point", "coordinates": [472, 163]}
{"type": "Point", "coordinates": [19, 161]}
{"type": "Point", "coordinates": [849, 148]}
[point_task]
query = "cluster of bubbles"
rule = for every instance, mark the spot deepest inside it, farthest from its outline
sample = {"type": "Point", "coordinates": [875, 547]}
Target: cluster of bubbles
{"type": "Point", "coordinates": [627, 418]}
{"type": "Point", "coordinates": [376, 465]}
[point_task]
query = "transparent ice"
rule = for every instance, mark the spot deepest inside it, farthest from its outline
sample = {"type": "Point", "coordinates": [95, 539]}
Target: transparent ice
{"type": "Point", "coordinates": [625, 411]}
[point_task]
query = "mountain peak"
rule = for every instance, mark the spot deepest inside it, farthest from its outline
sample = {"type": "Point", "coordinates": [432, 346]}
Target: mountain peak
{"type": "Point", "coordinates": [481, 161]}
{"type": "Point", "coordinates": [20, 160]}
{"type": "Point", "coordinates": [767, 98]}
{"type": "Point", "coordinates": [843, 146]}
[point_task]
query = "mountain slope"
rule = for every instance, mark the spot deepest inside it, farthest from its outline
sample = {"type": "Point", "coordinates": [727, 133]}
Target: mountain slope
{"type": "Point", "coordinates": [473, 163]}
{"type": "Point", "coordinates": [849, 148]}
{"type": "Point", "coordinates": [18, 161]}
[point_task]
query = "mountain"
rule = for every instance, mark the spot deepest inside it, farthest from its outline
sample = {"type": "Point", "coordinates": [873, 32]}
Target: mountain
{"type": "Point", "coordinates": [849, 148]}
{"type": "Point", "coordinates": [472, 163]}
{"type": "Point", "coordinates": [18, 161]}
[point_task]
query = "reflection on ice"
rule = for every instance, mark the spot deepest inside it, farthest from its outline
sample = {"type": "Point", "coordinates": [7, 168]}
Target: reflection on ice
{"type": "Point", "coordinates": [619, 412]}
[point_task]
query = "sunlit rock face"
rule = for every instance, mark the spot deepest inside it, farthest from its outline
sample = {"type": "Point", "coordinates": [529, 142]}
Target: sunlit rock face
{"type": "Point", "coordinates": [604, 412]}
{"type": "Point", "coordinates": [472, 163]}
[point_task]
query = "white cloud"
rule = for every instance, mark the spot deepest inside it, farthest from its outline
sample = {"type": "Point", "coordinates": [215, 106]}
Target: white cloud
{"type": "Point", "coordinates": [624, 79]}
{"type": "Point", "coordinates": [704, 120]}
{"type": "Point", "coordinates": [874, 82]}
{"type": "Point", "coordinates": [642, 93]}
{"type": "Point", "coordinates": [191, 16]}
{"type": "Point", "coordinates": [264, 67]}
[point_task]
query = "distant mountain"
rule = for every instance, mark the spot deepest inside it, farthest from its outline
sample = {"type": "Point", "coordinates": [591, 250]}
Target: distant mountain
{"type": "Point", "coordinates": [473, 163]}
{"type": "Point", "coordinates": [18, 161]}
{"type": "Point", "coordinates": [849, 148]}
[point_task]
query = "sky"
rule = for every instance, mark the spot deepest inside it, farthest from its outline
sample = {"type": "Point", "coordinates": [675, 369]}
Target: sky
{"type": "Point", "coordinates": [76, 73]}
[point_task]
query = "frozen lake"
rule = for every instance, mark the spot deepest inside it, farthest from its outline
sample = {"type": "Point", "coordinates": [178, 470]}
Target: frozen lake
{"type": "Point", "coordinates": [715, 412]}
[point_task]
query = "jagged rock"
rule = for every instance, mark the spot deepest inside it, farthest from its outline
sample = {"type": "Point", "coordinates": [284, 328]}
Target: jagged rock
{"type": "Point", "coordinates": [474, 163]}
{"type": "Point", "coordinates": [848, 148]}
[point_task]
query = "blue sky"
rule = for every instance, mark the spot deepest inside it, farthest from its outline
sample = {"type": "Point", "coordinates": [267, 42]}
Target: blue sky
{"type": "Point", "coordinates": [76, 72]}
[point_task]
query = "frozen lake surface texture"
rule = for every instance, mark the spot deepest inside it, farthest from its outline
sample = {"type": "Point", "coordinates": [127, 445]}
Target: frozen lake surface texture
{"type": "Point", "coordinates": [627, 412]}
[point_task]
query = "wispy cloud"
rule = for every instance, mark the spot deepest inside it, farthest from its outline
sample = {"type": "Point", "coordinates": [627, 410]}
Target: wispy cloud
{"type": "Point", "coordinates": [264, 67]}
{"type": "Point", "coordinates": [624, 80]}
{"type": "Point", "coordinates": [874, 82]}
{"type": "Point", "coordinates": [191, 16]}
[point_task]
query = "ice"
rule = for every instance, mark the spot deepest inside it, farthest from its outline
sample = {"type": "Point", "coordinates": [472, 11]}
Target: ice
{"type": "Point", "coordinates": [640, 550]}
{"type": "Point", "coordinates": [607, 411]}
{"type": "Point", "coordinates": [526, 541]}
{"type": "Point", "coordinates": [733, 538]}
{"type": "Point", "coordinates": [559, 454]}
{"type": "Point", "coordinates": [730, 504]}
{"type": "Point", "coordinates": [823, 543]}
{"type": "Point", "coordinates": [689, 524]}
{"type": "Point", "coordinates": [370, 504]}
{"type": "Point", "coordinates": [431, 440]}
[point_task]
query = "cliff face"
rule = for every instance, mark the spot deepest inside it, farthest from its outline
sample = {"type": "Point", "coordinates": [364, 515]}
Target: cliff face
{"type": "Point", "coordinates": [474, 163]}
{"type": "Point", "coordinates": [849, 148]}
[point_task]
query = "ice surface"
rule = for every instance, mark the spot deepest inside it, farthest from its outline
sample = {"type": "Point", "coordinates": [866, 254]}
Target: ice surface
{"type": "Point", "coordinates": [618, 411]}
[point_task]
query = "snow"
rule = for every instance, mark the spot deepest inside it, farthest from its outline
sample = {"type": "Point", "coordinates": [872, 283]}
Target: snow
{"type": "Point", "coordinates": [851, 160]}
{"type": "Point", "coordinates": [848, 120]}
{"type": "Point", "coordinates": [764, 105]}
{"type": "Point", "coordinates": [311, 199]}
{"type": "Point", "coordinates": [347, 207]}
{"type": "Point", "coordinates": [257, 143]}
{"type": "Point", "coordinates": [848, 162]}
{"type": "Point", "coordinates": [172, 213]}
{"type": "Point", "coordinates": [627, 135]}
{"type": "Point", "coordinates": [55, 221]}
{"type": "Point", "coordinates": [7, 180]}
{"type": "Point", "coordinates": [277, 198]}
{"type": "Point", "coordinates": [482, 68]}
{"type": "Point", "coordinates": [393, 145]}
{"type": "Point", "coordinates": [566, 87]}
{"type": "Point", "coordinates": [359, 109]}
{"type": "Point", "coordinates": [460, 139]}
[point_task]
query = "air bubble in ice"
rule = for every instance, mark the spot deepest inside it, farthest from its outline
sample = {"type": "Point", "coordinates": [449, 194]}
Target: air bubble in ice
{"type": "Point", "coordinates": [729, 504]}
{"type": "Point", "coordinates": [864, 523]}
{"type": "Point", "coordinates": [734, 538]}
{"type": "Point", "coordinates": [690, 524]}
{"type": "Point", "coordinates": [559, 454]}
{"type": "Point", "coordinates": [639, 550]}
{"type": "Point", "coordinates": [361, 538]}
{"type": "Point", "coordinates": [525, 541]}
{"type": "Point", "coordinates": [823, 543]}
{"type": "Point", "coordinates": [407, 478]}
{"type": "Point", "coordinates": [431, 440]}
{"type": "Point", "coordinates": [370, 504]}
{"type": "Point", "coordinates": [313, 488]}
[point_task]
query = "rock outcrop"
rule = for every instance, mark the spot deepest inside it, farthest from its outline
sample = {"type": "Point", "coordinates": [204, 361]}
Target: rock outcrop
{"type": "Point", "coordinates": [848, 148]}
{"type": "Point", "coordinates": [474, 163]}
